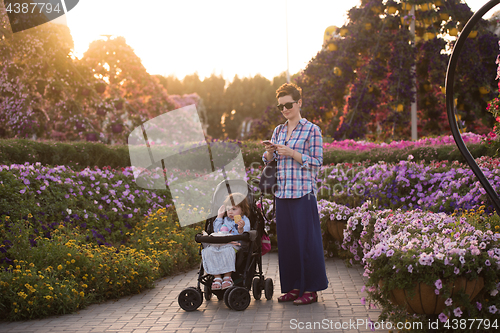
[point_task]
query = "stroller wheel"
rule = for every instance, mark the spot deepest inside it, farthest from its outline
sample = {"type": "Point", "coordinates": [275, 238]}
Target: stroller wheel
{"type": "Point", "coordinates": [268, 288]}
{"type": "Point", "coordinates": [226, 296]}
{"type": "Point", "coordinates": [190, 299]}
{"type": "Point", "coordinates": [256, 288]}
{"type": "Point", "coordinates": [239, 298]}
{"type": "Point", "coordinates": [207, 292]}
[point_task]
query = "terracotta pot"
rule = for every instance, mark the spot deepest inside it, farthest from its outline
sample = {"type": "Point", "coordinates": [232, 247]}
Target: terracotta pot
{"type": "Point", "coordinates": [117, 128]}
{"type": "Point", "coordinates": [425, 301]}
{"type": "Point", "coordinates": [336, 229]}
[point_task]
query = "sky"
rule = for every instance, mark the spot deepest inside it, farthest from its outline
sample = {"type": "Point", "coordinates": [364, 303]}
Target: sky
{"type": "Point", "coordinates": [228, 38]}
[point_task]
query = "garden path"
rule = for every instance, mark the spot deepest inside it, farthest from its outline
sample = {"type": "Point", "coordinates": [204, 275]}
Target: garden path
{"type": "Point", "coordinates": [157, 310]}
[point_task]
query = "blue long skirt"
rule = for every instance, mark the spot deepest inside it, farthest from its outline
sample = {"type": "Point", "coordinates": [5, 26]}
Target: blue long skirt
{"type": "Point", "coordinates": [300, 245]}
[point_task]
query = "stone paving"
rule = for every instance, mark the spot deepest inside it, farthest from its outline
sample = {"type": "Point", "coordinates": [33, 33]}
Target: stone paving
{"type": "Point", "coordinates": [338, 309]}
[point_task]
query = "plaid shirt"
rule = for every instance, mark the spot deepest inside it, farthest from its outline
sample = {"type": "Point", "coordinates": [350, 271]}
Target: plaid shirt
{"type": "Point", "coordinates": [296, 180]}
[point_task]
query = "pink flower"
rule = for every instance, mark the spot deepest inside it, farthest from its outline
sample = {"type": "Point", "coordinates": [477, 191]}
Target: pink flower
{"type": "Point", "coordinates": [438, 284]}
{"type": "Point", "coordinates": [457, 312]}
{"type": "Point", "coordinates": [442, 317]}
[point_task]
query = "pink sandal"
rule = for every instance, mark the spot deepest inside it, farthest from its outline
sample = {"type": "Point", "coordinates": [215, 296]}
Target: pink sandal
{"type": "Point", "coordinates": [307, 298]}
{"type": "Point", "coordinates": [228, 282]}
{"type": "Point", "coordinates": [217, 285]}
{"type": "Point", "coordinates": [289, 296]}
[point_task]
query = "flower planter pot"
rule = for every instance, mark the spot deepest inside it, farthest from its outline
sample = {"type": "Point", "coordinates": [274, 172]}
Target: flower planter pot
{"type": "Point", "coordinates": [80, 126]}
{"type": "Point", "coordinates": [336, 229]}
{"type": "Point", "coordinates": [427, 302]}
{"type": "Point", "coordinates": [40, 86]}
{"type": "Point", "coordinates": [84, 92]}
{"type": "Point", "coordinates": [101, 111]}
{"type": "Point", "coordinates": [117, 128]}
{"type": "Point", "coordinates": [119, 105]}
{"type": "Point", "coordinates": [91, 137]}
{"type": "Point", "coordinates": [100, 88]}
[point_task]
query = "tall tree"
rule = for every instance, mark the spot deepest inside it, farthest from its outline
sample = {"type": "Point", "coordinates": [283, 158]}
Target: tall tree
{"type": "Point", "coordinates": [363, 77]}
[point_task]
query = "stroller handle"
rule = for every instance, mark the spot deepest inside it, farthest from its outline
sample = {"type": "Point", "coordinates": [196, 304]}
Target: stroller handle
{"type": "Point", "coordinates": [246, 236]}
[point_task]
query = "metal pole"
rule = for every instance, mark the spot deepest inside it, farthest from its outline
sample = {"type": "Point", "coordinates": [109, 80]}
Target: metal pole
{"type": "Point", "coordinates": [450, 109]}
{"type": "Point", "coordinates": [413, 72]}
{"type": "Point", "coordinates": [287, 57]}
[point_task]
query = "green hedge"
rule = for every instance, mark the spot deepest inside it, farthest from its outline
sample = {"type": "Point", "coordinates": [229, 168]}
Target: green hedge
{"type": "Point", "coordinates": [83, 154]}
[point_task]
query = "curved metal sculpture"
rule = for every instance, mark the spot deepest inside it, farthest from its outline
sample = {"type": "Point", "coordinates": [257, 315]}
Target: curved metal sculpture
{"type": "Point", "coordinates": [450, 75]}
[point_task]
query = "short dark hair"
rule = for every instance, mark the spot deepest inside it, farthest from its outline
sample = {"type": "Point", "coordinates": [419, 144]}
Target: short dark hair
{"type": "Point", "coordinates": [289, 89]}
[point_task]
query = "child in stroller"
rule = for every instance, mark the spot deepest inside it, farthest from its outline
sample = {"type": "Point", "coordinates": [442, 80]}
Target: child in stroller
{"type": "Point", "coordinates": [248, 267]}
{"type": "Point", "coordinates": [220, 260]}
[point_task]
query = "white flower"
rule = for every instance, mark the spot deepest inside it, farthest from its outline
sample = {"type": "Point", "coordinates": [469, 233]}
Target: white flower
{"type": "Point", "coordinates": [68, 210]}
{"type": "Point", "coordinates": [494, 292]}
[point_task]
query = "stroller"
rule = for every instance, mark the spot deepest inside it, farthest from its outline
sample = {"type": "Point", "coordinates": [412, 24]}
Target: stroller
{"type": "Point", "coordinates": [248, 273]}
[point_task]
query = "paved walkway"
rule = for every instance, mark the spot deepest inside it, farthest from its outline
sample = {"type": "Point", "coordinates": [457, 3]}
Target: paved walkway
{"type": "Point", "coordinates": [157, 310]}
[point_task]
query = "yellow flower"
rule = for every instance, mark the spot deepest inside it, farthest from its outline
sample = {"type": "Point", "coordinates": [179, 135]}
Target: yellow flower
{"type": "Point", "coordinates": [82, 294]}
{"type": "Point", "coordinates": [29, 215]}
{"type": "Point", "coordinates": [59, 267]}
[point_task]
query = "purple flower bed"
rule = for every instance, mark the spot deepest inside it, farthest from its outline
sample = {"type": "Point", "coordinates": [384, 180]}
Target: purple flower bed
{"type": "Point", "coordinates": [104, 203]}
{"type": "Point", "coordinates": [366, 145]}
{"type": "Point", "coordinates": [438, 186]}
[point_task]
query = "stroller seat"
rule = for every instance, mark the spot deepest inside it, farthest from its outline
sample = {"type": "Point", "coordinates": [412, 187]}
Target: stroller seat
{"type": "Point", "coordinates": [248, 275]}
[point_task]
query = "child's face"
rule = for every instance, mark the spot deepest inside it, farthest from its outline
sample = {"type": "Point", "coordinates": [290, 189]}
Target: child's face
{"type": "Point", "coordinates": [232, 211]}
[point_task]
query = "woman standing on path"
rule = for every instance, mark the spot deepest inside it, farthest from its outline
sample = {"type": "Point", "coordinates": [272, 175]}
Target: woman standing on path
{"type": "Point", "coordinates": [298, 147]}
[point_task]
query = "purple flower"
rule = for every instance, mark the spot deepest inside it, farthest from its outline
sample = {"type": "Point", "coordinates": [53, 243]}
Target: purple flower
{"type": "Point", "coordinates": [479, 306]}
{"type": "Point", "coordinates": [442, 317]}
{"type": "Point", "coordinates": [448, 302]}
{"type": "Point", "coordinates": [487, 262]}
{"type": "Point", "coordinates": [438, 284]}
{"type": "Point", "coordinates": [363, 300]}
{"type": "Point", "coordinates": [492, 309]}
{"type": "Point", "coordinates": [456, 270]}
{"type": "Point", "coordinates": [457, 312]}
{"type": "Point", "coordinates": [410, 268]}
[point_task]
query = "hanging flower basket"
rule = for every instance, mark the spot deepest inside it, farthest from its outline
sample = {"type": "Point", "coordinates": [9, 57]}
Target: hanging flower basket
{"type": "Point", "coordinates": [425, 301]}
{"type": "Point", "coordinates": [91, 137]}
{"type": "Point", "coordinates": [101, 111]}
{"type": "Point", "coordinates": [119, 105]}
{"type": "Point", "coordinates": [40, 86]}
{"type": "Point", "coordinates": [117, 128]}
{"type": "Point", "coordinates": [100, 87]}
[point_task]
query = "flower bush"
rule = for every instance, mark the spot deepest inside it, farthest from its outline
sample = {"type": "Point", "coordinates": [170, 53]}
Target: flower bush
{"type": "Point", "coordinates": [65, 270]}
{"type": "Point", "coordinates": [439, 186]}
{"type": "Point", "coordinates": [435, 249]}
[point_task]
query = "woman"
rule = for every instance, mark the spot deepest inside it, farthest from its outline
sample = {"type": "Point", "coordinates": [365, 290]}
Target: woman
{"type": "Point", "coordinates": [298, 147]}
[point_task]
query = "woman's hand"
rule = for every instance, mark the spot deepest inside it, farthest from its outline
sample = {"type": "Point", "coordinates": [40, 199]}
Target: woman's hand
{"type": "Point", "coordinates": [270, 148]}
{"type": "Point", "coordinates": [284, 150]}
{"type": "Point", "coordinates": [221, 211]}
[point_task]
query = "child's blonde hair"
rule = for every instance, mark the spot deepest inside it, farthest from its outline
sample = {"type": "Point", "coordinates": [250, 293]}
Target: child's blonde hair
{"type": "Point", "coordinates": [240, 200]}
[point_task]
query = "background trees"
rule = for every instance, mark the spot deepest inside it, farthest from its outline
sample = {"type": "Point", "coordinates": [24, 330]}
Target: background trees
{"type": "Point", "coordinates": [362, 79]}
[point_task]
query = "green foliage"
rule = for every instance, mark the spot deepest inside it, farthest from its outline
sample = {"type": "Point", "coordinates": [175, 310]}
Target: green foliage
{"type": "Point", "coordinates": [66, 272]}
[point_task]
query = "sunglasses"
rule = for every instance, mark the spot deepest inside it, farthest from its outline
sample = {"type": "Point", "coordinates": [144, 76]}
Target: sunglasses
{"type": "Point", "coordinates": [288, 105]}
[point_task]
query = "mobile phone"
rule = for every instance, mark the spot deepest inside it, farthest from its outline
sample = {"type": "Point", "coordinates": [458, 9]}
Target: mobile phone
{"type": "Point", "coordinates": [267, 142]}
